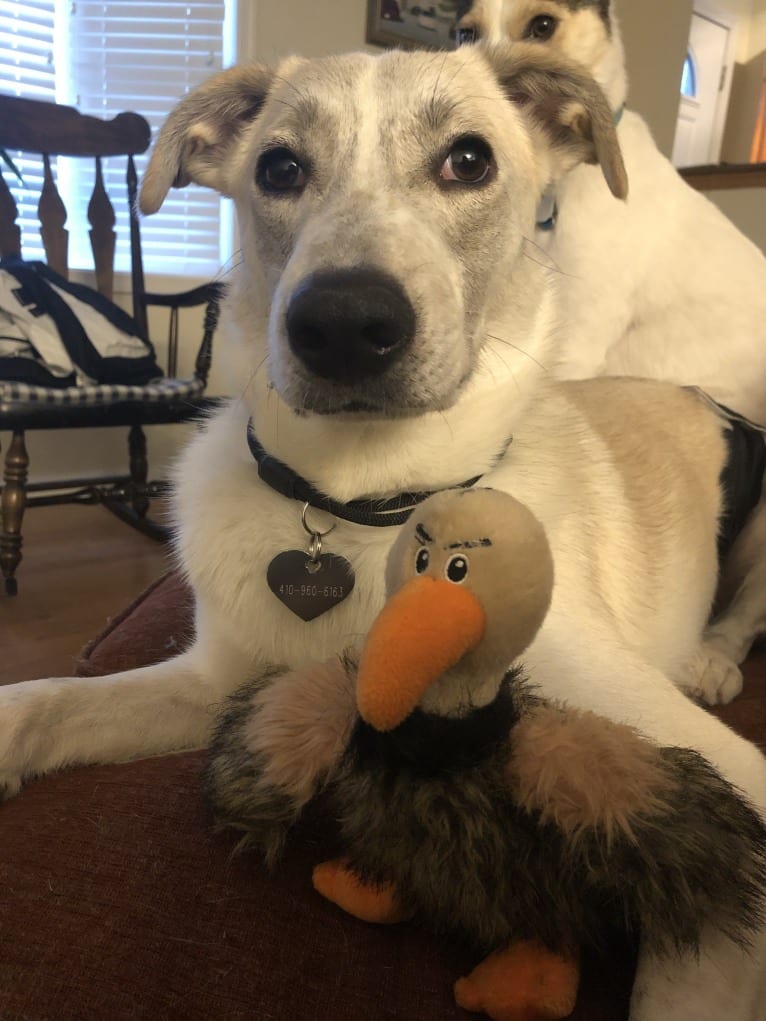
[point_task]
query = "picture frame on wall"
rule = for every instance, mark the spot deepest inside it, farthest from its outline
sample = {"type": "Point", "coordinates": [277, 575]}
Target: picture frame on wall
{"type": "Point", "coordinates": [412, 24]}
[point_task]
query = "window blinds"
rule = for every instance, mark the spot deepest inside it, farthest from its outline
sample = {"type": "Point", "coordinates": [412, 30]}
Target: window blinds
{"type": "Point", "coordinates": [26, 49]}
{"type": "Point", "coordinates": [111, 57]}
{"type": "Point", "coordinates": [27, 69]}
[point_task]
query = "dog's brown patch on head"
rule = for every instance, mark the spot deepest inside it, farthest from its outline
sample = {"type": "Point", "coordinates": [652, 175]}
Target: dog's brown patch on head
{"type": "Point", "coordinates": [562, 103]}
{"type": "Point", "coordinates": [582, 772]}
{"type": "Point", "coordinates": [196, 139]}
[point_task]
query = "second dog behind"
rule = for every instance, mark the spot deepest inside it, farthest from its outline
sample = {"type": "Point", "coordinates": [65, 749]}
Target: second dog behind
{"type": "Point", "coordinates": [662, 286]}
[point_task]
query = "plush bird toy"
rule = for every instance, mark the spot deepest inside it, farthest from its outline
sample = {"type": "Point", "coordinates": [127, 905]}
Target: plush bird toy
{"type": "Point", "coordinates": [467, 803]}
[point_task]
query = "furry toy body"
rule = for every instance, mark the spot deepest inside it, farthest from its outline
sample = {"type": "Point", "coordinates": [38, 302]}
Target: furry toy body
{"type": "Point", "coordinates": [468, 803]}
{"type": "Point", "coordinates": [434, 807]}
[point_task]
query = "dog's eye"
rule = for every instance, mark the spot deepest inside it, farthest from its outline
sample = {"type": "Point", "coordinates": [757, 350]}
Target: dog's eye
{"type": "Point", "coordinates": [466, 35]}
{"type": "Point", "coordinates": [542, 27]}
{"type": "Point", "coordinates": [456, 569]}
{"type": "Point", "coordinates": [280, 170]}
{"type": "Point", "coordinates": [469, 161]}
{"type": "Point", "coordinates": [422, 560]}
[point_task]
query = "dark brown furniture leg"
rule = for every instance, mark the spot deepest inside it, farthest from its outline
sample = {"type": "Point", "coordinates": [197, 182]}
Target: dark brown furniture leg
{"type": "Point", "coordinates": [139, 470]}
{"type": "Point", "coordinates": [12, 504]}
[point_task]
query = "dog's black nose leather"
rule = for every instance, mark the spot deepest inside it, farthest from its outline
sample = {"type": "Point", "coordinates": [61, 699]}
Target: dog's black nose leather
{"type": "Point", "coordinates": [349, 324]}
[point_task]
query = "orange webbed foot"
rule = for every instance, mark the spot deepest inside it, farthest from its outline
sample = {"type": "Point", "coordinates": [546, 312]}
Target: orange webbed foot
{"type": "Point", "coordinates": [335, 881]}
{"type": "Point", "coordinates": [522, 982]}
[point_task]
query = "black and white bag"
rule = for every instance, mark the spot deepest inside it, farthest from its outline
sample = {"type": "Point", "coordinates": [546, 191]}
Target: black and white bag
{"type": "Point", "coordinates": [57, 334]}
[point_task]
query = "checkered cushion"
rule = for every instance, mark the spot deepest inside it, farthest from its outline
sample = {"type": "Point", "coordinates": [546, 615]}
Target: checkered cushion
{"type": "Point", "coordinates": [160, 390]}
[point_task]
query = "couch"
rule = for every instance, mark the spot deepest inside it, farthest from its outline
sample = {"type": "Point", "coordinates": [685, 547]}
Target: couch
{"type": "Point", "coordinates": [118, 900]}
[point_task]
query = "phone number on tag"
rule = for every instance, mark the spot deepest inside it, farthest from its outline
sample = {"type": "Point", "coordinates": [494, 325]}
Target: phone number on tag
{"type": "Point", "coordinates": [313, 591]}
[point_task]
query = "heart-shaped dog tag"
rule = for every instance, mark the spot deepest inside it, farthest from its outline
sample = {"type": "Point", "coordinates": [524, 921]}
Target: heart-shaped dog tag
{"type": "Point", "coordinates": [310, 587]}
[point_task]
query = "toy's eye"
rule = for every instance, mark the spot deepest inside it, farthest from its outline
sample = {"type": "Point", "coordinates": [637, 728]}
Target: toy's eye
{"type": "Point", "coordinates": [456, 569]}
{"type": "Point", "coordinates": [422, 560]}
{"type": "Point", "coordinates": [468, 161]}
{"type": "Point", "coordinates": [541, 28]}
{"type": "Point", "coordinates": [279, 170]}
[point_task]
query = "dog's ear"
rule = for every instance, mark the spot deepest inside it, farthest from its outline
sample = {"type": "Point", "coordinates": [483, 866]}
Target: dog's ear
{"type": "Point", "coordinates": [566, 103]}
{"type": "Point", "coordinates": [195, 139]}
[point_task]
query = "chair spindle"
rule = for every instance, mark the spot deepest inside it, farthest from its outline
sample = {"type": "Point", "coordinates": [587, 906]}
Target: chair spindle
{"type": "Point", "coordinates": [10, 232]}
{"type": "Point", "coordinates": [52, 214]}
{"type": "Point", "coordinates": [103, 239]}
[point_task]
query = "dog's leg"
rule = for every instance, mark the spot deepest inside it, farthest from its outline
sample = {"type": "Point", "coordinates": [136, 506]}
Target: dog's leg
{"type": "Point", "coordinates": [713, 673]}
{"type": "Point", "coordinates": [723, 983]}
{"type": "Point", "coordinates": [47, 724]}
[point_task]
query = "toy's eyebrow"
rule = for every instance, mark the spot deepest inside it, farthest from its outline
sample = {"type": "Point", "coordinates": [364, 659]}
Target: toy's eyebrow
{"type": "Point", "coordinates": [469, 544]}
{"type": "Point", "coordinates": [422, 535]}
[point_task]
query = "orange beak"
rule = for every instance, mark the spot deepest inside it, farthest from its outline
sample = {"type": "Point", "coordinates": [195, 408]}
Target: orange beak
{"type": "Point", "coordinates": [424, 628]}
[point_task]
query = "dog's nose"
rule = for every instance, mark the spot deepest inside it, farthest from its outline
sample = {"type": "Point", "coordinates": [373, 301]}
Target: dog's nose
{"type": "Point", "coordinates": [349, 324]}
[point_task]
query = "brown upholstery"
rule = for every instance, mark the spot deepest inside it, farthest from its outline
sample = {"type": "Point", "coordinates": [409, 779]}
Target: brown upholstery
{"type": "Point", "coordinates": [117, 901]}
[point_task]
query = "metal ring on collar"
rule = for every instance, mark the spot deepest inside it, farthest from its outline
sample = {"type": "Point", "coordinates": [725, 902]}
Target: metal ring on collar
{"type": "Point", "coordinates": [315, 547]}
{"type": "Point", "coordinates": [314, 531]}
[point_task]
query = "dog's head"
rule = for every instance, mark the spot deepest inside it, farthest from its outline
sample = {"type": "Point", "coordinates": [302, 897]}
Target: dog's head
{"type": "Point", "coordinates": [582, 30]}
{"type": "Point", "coordinates": [383, 204]}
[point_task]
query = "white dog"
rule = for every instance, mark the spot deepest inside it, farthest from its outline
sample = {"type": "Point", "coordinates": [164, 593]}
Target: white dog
{"type": "Point", "coordinates": [662, 286]}
{"type": "Point", "coordinates": [387, 330]}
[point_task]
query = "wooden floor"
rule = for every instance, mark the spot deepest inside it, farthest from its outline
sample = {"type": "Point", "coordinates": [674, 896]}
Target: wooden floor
{"type": "Point", "coordinates": [80, 566]}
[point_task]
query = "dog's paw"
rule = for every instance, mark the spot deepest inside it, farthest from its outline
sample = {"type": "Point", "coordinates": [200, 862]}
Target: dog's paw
{"type": "Point", "coordinates": [711, 676]}
{"type": "Point", "coordinates": [11, 771]}
{"type": "Point", "coordinates": [10, 785]}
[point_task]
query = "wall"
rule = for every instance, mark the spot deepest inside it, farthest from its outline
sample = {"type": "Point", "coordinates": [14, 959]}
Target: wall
{"type": "Point", "coordinates": [746, 208]}
{"type": "Point", "coordinates": [655, 60]}
{"type": "Point", "coordinates": [757, 41]}
{"type": "Point", "coordinates": [744, 109]}
{"type": "Point", "coordinates": [755, 31]}
{"type": "Point", "coordinates": [742, 10]}
{"type": "Point", "coordinates": [313, 28]}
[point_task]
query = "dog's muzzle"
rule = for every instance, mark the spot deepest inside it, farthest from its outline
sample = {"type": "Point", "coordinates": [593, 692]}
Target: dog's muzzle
{"type": "Point", "coordinates": [351, 324]}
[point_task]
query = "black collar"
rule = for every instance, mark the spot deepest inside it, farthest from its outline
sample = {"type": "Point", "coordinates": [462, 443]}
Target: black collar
{"type": "Point", "coordinates": [282, 478]}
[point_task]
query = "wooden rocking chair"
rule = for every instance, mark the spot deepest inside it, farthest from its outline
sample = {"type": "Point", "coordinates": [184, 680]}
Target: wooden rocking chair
{"type": "Point", "coordinates": [47, 130]}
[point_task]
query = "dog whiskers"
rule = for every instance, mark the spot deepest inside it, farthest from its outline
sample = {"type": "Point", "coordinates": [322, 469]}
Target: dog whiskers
{"type": "Point", "coordinates": [444, 418]}
{"type": "Point", "coordinates": [307, 102]}
{"type": "Point", "coordinates": [505, 363]}
{"type": "Point", "coordinates": [441, 109]}
{"type": "Point", "coordinates": [550, 264]}
{"type": "Point", "coordinates": [291, 85]}
{"type": "Point", "coordinates": [230, 265]}
{"type": "Point", "coordinates": [508, 343]}
{"type": "Point", "coordinates": [253, 374]}
{"type": "Point", "coordinates": [284, 102]}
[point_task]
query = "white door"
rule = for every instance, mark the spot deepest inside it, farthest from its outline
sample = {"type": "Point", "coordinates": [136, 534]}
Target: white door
{"type": "Point", "coordinates": [697, 141]}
